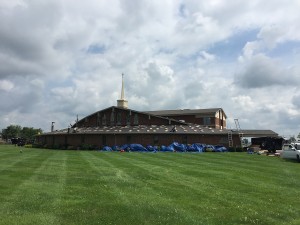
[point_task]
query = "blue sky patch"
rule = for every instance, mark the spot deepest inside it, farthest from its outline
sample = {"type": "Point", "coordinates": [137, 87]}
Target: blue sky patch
{"type": "Point", "coordinates": [96, 49]}
{"type": "Point", "coordinates": [232, 47]}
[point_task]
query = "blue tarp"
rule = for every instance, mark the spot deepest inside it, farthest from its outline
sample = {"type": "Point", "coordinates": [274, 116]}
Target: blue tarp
{"type": "Point", "coordinates": [115, 148]}
{"type": "Point", "coordinates": [220, 148]}
{"type": "Point", "coordinates": [175, 146]}
{"type": "Point", "coordinates": [166, 149]}
{"type": "Point", "coordinates": [125, 147]}
{"type": "Point", "coordinates": [196, 148]}
{"type": "Point", "coordinates": [137, 148]}
{"type": "Point", "coordinates": [151, 148]}
{"type": "Point", "coordinates": [107, 148]}
{"type": "Point", "coordinates": [209, 148]}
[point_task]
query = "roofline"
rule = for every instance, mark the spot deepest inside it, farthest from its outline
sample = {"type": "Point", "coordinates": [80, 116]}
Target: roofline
{"type": "Point", "coordinates": [127, 109]}
{"type": "Point", "coordinates": [185, 111]}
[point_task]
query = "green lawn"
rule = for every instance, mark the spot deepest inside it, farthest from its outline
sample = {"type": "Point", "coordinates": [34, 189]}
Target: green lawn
{"type": "Point", "coordinates": [87, 187]}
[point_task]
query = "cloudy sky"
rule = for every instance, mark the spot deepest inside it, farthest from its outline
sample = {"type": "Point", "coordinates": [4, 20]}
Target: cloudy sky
{"type": "Point", "coordinates": [63, 58]}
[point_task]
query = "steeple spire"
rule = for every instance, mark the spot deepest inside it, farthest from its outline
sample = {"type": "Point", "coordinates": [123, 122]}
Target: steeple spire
{"type": "Point", "coordinates": [122, 103]}
{"type": "Point", "coordinates": [122, 90]}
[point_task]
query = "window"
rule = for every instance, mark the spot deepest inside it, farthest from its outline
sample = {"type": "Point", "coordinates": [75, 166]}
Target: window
{"type": "Point", "coordinates": [206, 121]}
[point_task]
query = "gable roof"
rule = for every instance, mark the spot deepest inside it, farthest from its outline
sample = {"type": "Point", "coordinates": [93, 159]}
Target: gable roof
{"type": "Point", "coordinates": [134, 111]}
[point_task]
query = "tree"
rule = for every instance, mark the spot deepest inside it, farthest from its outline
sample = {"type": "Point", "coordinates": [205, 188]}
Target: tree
{"type": "Point", "coordinates": [29, 132]}
{"type": "Point", "coordinates": [16, 131]}
{"type": "Point", "coordinates": [11, 131]}
{"type": "Point", "coordinates": [292, 139]}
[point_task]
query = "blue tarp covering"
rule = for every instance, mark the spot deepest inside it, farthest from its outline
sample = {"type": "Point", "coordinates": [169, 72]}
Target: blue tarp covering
{"type": "Point", "coordinates": [177, 147]}
{"type": "Point", "coordinates": [137, 148]}
{"type": "Point", "coordinates": [115, 148]}
{"type": "Point", "coordinates": [151, 148]}
{"type": "Point", "coordinates": [196, 148]}
{"type": "Point", "coordinates": [219, 148]}
{"type": "Point", "coordinates": [107, 148]}
{"type": "Point", "coordinates": [166, 149]}
{"type": "Point", "coordinates": [125, 147]}
{"type": "Point", "coordinates": [209, 148]}
{"type": "Point", "coordinates": [174, 147]}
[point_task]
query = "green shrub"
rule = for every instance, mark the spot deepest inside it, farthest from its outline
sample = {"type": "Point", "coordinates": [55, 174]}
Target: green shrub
{"type": "Point", "coordinates": [70, 147]}
{"type": "Point", "coordinates": [235, 149]}
{"type": "Point", "coordinates": [28, 146]}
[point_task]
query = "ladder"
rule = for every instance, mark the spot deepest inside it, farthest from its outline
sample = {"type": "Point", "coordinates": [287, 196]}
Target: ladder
{"type": "Point", "coordinates": [238, 128]}
{"type": "Point", "coordinates": [230, 140]}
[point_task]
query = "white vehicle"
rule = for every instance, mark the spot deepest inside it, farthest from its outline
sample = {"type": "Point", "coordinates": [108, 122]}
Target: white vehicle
{"type": "Point", "coordinates": [291, 151]}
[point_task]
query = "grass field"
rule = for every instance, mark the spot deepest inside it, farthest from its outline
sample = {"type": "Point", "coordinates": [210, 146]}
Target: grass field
{"type": "Point", "coordinates": [84, 187]}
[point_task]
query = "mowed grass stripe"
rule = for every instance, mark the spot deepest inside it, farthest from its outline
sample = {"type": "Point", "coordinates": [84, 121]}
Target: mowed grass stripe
{"type": "Point", "coordinates": [181, 196]}
{"type": "Point", "coordinates": [241, 198]}
{"type": "Point", "coordinates": [129, 192]}
{"type": "Point", "coordinates": [36, 200]}
{"type": "Point", "coordinates": [19, 168]}
{"type": "Point", "coordinates": [91, 195]}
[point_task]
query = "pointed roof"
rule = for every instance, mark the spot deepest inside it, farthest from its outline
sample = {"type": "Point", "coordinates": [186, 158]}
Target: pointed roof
{"type": "Point", "coordinates": [122, 102]}
{"type": "Point", "coordinates": [122, 89]}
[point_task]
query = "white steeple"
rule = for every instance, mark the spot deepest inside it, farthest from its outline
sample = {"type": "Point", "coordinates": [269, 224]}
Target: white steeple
{"type": "Point", "coordinates": [122, 103]}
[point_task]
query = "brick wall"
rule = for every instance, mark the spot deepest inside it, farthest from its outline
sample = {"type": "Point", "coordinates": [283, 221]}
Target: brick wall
{"type": "Point", "coordinates": [144, 139]}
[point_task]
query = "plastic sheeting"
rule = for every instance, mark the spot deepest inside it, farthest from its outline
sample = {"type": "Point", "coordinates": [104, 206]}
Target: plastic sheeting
{"type": "Point", "coordinates": [196, 148]}
{"type": "Point", "coordinates": [174, 147]}
{"type": "Point", "coordinates": [107, 148]}
{"type": "Point", "coordinates": [151, 148]}
{"type": "Point", "coordinates": [166, 149]}
{"type": "Point", "coordinates": [219, 148]}
{"type": "Point", "coordinates": [137, 148]}
{"type": "Point", "coordinates": [177, 147]}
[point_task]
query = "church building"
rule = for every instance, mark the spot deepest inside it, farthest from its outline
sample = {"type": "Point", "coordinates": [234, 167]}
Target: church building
{"type": "Point", "coordinates": [119, 125]}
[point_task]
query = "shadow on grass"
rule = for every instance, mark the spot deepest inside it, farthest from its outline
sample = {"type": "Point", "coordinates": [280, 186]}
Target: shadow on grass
{"type": "Point", "coordinates": [290, 160]}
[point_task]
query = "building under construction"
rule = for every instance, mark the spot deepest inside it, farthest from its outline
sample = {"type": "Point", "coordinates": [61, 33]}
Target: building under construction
{"type": "Point", "coordinates": [119, 125]}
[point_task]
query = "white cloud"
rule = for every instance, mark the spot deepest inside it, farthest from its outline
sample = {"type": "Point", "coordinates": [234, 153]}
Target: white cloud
{"type": "Point", "coordinates": [6, 85]}
{"type": "Point", "coordinates": [63, 58]}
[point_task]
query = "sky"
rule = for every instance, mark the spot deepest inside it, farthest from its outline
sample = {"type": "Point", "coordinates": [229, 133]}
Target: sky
{"type": "Point", "coordinates": [60, 59]}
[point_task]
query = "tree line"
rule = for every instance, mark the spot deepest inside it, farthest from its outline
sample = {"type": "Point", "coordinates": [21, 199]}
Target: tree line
{"type": "Point", "coordinates": [16, 131]}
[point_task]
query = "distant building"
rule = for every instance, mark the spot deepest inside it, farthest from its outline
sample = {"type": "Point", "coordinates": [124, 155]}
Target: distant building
{"type": "Point", "coordinates": [119, 125]}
